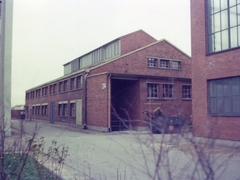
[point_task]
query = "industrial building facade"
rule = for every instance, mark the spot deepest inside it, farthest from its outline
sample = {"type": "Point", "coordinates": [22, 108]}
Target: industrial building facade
{"type": "Point", "coordinates": [108, 88]}
{"type": "Point", "coordinates": [216, 75]}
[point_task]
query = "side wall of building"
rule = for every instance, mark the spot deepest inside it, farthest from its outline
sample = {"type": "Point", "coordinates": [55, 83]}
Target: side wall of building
{"type": "Point", "coordinates": [97, 102]}
{"type": "Point", "coordinates": [207, 67]}
{"type": "Point", "coordinates": [68, 96]}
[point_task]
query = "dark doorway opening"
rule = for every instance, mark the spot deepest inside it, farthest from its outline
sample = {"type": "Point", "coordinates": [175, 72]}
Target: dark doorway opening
{"type": "Point", "coordinates": [124, 103]}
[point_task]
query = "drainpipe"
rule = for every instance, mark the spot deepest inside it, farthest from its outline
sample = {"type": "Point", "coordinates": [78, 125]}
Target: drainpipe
{"type": "Point", "coordinates": [109, 102]}
{"type": "Point", "coordinates": [85, 99]}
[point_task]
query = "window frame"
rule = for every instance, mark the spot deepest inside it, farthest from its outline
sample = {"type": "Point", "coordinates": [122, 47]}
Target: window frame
{"type": "Point", "coordinates": [165, 65]}
{"type": "Point", "coordinates": [153, 93]}
{"type": "Point", "coordinates": [152, 62]}
{"type": "Point", "coordinates": [178, 65]}
{"type": "Point", "coordinates": [167, 91]}
{"type": "Point", "coordinates": [223, 33]}
{"type": "Point", "coordinates": [187, 95]}
{"type": "Point", "coordinates": [219, 95]}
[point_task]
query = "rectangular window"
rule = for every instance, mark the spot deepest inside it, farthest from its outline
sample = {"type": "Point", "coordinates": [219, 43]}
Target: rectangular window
{"type": "Point", "coordinates": [176, 64]}
{"type": "Point", "coordinates": [54, 88]}
{"type": "Point", "coordinates": [224, 97]}
{"type": "Point", "coordinates": [167, 91]}
{"type": "Point", "coordinates": [73, 83]}
{"type": "Point", "coordinates": [73, 109]}
{"type": "Point", "coordinates": [43, 92]}
{"type": "Point", "coordinates": [152, 62]}
{"type": "Point", "coordinates": [223, 25]}
{"type": "Point", "coordinates": [63, 110]}
{"type": "Point", "coordinates": [152, 90]}
{"type": "Point", "coordinates": [65, 87]}
{"type": "Point", "coordinates": [60, 87]}
{"type": "Point", "coordinates": [44, 110]}
{"type": "Point", "coordinates": [186, 91]}
{"type": "Point", "coordinates": [46, 91]}
{"type": "Point", "coordinates": [164, 63]}
{"type": "Point", "coordinates": [79, 82]}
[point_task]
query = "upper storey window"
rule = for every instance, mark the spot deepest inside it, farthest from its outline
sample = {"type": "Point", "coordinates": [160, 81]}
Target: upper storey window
{"type": "Point", "coordinates": [152, 62]}
{"type": "Point", "coordinates": [223, 17]}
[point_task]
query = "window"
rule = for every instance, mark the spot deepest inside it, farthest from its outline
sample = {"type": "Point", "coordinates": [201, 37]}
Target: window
{"type": "Point", "coordinates": [65, 87]}
{"type": "Point", "coordinates": [73, 83]}
{"type": "Point", "coordinates": [152, 90]}
{"type": "Point", "coordinates": [164, 63]}
{"type": "Point", "coordinates": [62, 109]}
{"type": "Point", "coordinates": [152, 62]}
{"type": "Point", "coordinates": [224, 97]}
{"type": "Point", "coordinates": [223, 25]}
{"type": "Point", "coordinates": [60, 87]}
{"type": "Point", "coordinates": [167, 90]}
{"type": "Point", "coordinates": [186, 92]}
{"type": "Point", "coordinates": [73, 109]}
{"type": "Point", "coordinates": [51, 89]}
{"type": "Point", "coordinates": [43, 92]}
{"type": "Point", "coordinates": [44, 110]}
{"type": "Point", "coordinates": [54, 88]}
{"type": "Point", "coordinates": [176, 64]}
{"type": "Point", "coordinates": [37, 93]}
{"type": "Point", "coordinates": [46, 91]}
{"type": "Point", "coordinates": [79, 82]}
{"type": "Point", "coordinates": [37, 110]}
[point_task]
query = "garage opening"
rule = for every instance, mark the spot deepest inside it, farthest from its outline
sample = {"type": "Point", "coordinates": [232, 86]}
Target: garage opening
{"type": "Point", "coordinates": [124, 103]}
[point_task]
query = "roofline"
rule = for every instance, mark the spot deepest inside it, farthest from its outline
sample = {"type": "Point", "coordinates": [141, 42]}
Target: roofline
{"type": "Point", "coordinates": [139, 49]}
{"type": "Point", "coordinates": [140, 30]}
{"type": "Point", "coordinates": [57, 79]}
{"type": "Point", "coordinates": [108, 61]}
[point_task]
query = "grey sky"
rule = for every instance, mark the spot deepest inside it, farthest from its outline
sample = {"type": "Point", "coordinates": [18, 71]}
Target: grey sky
{"type": "Point", "coordinates": [49, 33]}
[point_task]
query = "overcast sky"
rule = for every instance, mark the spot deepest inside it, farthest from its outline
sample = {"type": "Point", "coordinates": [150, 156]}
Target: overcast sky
{"type": "Point", "coordinates": [50, 33]}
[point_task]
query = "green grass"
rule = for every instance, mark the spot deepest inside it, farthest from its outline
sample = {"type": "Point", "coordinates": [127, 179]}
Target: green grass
{"type": "Point", "coordinates": [32, 170]}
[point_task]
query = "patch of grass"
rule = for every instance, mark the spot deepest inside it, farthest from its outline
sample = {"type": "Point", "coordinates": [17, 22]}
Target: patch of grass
{"type": "Point", "coordinates": [32, 169]}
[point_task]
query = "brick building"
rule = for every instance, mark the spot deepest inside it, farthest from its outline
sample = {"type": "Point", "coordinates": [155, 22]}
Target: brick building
{"type": "Point", "coordinates": [109, 88]}
{"type": "Point", "coordinates": [215, 29]}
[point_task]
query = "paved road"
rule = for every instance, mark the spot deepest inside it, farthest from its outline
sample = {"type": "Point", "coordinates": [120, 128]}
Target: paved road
{"type": "Point", "coordinates": [134, 155]}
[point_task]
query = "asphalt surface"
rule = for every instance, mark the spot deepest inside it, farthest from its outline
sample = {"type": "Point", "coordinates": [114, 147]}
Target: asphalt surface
{"type": "Point", "coordinates": [134, 154]}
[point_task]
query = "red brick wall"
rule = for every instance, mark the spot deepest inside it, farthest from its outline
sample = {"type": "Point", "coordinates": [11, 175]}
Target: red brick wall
{"type": "Point", "coordinates": [136, 63]}
{"type": "Point", "coordinates": [219, 65]}
{"type": "Point", "coordinates": [64, 96]}
{"type": "Point", "coordinates": [135, 40]}
{"type": "Point", "coordinates": [97, 101]}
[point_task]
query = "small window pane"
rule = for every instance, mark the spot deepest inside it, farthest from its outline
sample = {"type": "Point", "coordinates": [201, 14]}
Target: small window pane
{"type": "Point", "coordinates": [233, 16]}
{"type": "Point", "coordinates": [219, 89]}
{"type": "Point", "coordinates": [211, 43]}
{"type": "Point", "coordinates": [226, 88]}
{"type": "Point", "coordinates": [218, 42]}
{"type": "Point", "coordinates": [217, 22]}
{"type": "Point", "coordinates": [213, 104]}
{"type": "Point", "coordinates": [236, 104]}
{"type": "Point", "coordinates": [238, 13]}
{"type": "Point", "coordinates": [227, 105]}
{"type": "Point", "coordinates": [232, 3]}
{"type": "Point", "coordinates": [224, 20]}
{"type": "Point", "coordinates": [223, 4]}
{"type": "Point", "coordinates": [216, 5]}
{"type": "Point", "coordinates": [233, 33]}
{"type": "Point", "coordinates": [225, 40]}
{"type": "Point", "coordinates": [235, 86]}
